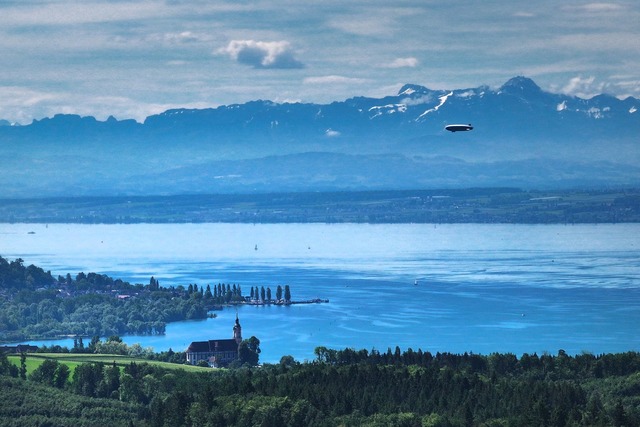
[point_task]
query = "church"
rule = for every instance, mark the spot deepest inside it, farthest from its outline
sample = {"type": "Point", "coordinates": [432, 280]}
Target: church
{"type": "Point", "coordinates": [217, 353]}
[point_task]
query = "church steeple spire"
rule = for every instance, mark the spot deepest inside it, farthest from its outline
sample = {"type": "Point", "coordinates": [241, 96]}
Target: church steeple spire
{"type": "Point", "coordinates": [237, 330]}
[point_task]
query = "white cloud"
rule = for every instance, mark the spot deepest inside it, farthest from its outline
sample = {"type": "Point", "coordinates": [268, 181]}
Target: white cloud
{"type": "Point", "coordinates": [331, 133]}
{"type": "Point", "coordinates": [259, 54]}
{"type": "Point", "coordinates": [382, 20]}
{"type": "Point", "coordinates": [426, 99]}
{"type": "Point", "coordinates": [363, 25]}
{"type": "Point", "coordinates": [584, 87]}
{"type": "Point", "coordinates": [632, 84]}
{"type": "Point", "coordinates": [73, 13]}
{"type": "Point", "coordinates": [18, 103]}
{"type": "Point", "coordinates": [522, 14]}
{"type": "Point", "coordinates": [600, 7]}
{"type": "Point", "coordinates": [577, 83]}
{"type": "Point", "coordinates": [22, 105]}
{"type": "Point", "coordinates": [601, 43]}
{"type": "Point", "coordinates": [154, 53]}
{"type": "Point", "coordinates": [185, 37]}
{"type": "Point", "coordinates": [409, 62]}
{"type": "Point", "coordinates": [625, 86]}
{"type": "Point", "coordinates": [333, 79]}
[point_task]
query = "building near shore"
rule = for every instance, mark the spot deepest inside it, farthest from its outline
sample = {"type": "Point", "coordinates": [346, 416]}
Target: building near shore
{"type": "Point", "coordinates": [20, 348]}
{"type": "Point", "coordinates": [217, 352]}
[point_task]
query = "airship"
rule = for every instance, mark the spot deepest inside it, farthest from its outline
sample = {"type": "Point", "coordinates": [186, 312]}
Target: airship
{"type": "Point", "coordinates": [458, 128]}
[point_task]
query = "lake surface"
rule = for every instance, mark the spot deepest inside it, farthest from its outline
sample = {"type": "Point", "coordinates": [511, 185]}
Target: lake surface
{"type": "Point", "coordinates": [441, 288]}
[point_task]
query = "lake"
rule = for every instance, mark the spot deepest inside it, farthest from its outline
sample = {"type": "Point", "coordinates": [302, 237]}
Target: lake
{"type": "Point", "coordinates": [442, 288]}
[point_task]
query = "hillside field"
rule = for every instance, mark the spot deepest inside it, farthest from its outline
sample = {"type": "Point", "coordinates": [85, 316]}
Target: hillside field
{"type": "Point", "coordinates": [72, 360]}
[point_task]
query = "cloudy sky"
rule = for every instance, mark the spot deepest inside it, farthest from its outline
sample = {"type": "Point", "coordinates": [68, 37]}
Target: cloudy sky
{"type": "Point", "coordinates": [134, 58]}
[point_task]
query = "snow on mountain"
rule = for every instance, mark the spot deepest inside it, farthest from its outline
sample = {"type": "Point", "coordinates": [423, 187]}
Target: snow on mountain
{"type": "Point", "coordinates": [562, 140]}
{"type": "Point", "coordinates": [442, 99]}
{"type": "Point", "coordinates": [407, 91]}
{"type": "Point", "coordinates": [387, 109]}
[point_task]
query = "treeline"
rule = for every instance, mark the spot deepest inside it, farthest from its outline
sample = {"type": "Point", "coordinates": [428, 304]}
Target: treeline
{"type": "Point", "coordinates": [264, 295]}
{"type": "Point", "coordinates": [94, 315]}
{"type": "Point", "coordinates": [36, 305]}
{"type": "Point", "coordinates": [228, 294]}
{"type": "Point", "coordinates": [545, 366]}
{"type": "Point", "coordinates": [353, 388]}
{"type": "Point", "coordinates": [223, 293]}
{"type": "Point", "coordinates": [14, 276]}
{"type": "Point", "coordinates": [114, 345]}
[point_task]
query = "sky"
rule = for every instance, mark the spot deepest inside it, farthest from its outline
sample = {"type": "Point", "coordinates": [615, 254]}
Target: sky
{"type": "Point", "coordinates": [131, 59]}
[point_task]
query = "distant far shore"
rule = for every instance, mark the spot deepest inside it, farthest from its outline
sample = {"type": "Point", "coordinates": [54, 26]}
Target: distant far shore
{"type": "Point", "coordinates": [474, 205]}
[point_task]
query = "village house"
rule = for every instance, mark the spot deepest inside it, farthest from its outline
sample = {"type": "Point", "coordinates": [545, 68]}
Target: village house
{"type": "Point", "coordinates": [217, 353]}
{"type": "Point", "coordinates": [20, 348]}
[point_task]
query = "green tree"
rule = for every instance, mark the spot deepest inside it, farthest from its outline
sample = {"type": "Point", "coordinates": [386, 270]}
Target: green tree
{"type": "Point", "coordinates": [62, 376]}
{"type": "Point", "coordinates": [325, 355]}
{"type": "Point", "coordinates": [287, 293]}
{"type": "Point", "coordinates": [130, 390]}
{"type": "Point", "coordinates": [95, 340]}
{"type": "Point", "coordinates": [109, 384]}
{"type": "Point", "coordinates": [113, 345]}
{"type": "Point", "coordinates": [23, 365]}
{"type": "Point", "coordinates": [287, 361]}
{"type": "Point", "coordinates": [86, 378]}
{"type": "Point", "coordinates": [6, 367]}
{"type": "Point", "coordinates": [45, 373]}
{"type": "Point", "coordinates": [249, 351]}
{"type": "Point", "coordinates": [619, 417]}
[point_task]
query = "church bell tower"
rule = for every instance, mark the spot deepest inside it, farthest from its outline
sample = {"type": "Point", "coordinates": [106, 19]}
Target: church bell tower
{"type": "Point", "coordinates": [237, 330]}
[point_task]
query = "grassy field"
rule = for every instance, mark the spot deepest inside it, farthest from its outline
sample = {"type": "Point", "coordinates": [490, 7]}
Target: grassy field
{"type": "Point", "coordinates": [72, 360]}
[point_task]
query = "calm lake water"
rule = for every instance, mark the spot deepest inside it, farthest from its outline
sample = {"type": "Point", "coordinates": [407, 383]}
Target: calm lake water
{"type": "Point", "coordinates": [480, 288]}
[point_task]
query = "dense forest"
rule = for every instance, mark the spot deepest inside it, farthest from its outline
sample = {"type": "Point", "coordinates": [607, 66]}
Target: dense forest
{"type": "Point", "coordinates": [34, 304]}
{"type": "Point", "coordinates": [339, 388]}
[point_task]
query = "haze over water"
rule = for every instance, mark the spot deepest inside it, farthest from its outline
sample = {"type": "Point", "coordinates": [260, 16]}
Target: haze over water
{"type": "Point", "coordinates": [447, 288]}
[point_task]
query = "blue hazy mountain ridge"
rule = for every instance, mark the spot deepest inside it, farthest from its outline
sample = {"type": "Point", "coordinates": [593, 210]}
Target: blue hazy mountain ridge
{"type": "Point", "coordinates": [523, 136]}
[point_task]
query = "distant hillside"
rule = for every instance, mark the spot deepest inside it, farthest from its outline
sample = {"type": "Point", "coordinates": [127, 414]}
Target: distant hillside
{"type": "Point", "coordinates": [473, 205]}
{"type": "Point", "coordinates": [523, 137]}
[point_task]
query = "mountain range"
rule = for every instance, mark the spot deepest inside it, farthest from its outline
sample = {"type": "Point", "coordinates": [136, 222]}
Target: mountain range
{"type": "Point", "coordinates": [523, 137]}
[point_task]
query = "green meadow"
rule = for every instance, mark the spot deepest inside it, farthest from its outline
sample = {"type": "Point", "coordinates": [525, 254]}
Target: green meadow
{"type": "Point", "coordinates": [72, 360]}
